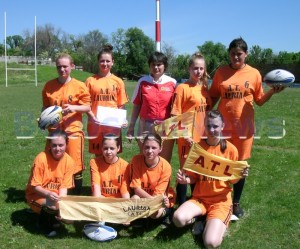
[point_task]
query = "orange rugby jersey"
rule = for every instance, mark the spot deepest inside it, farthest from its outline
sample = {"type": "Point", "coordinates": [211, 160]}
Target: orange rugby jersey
{"type": "Point", "coordinates": [114, 179]}
{"type": "Point", "coordinates": [154, 181]}
{"type": "Point", "coordinates": [106, 91]}
{"type": "Point", "coordinates": [238, 89]}
{"type": "Point", "coordinates": [50, 174]}
{"type": "Point", "coordinates": [211, 190]}
{"type": "Point", "coordinates": [73, 92]}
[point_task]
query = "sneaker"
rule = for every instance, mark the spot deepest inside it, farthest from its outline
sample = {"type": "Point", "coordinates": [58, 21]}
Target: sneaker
{"type": "Point", "coordinates": [166, 222]}
{"type": "Point", "coordinates": [237, 210]}
{"type": "Point", "coordinates": [198, 228]}
{"type": "Point", "coordinates": [51, 234]}
{"type": "Point", "coordinates": [101, 223]}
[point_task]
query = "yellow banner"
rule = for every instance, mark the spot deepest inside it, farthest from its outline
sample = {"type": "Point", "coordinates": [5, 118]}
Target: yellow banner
{"type": "Point", "coordinates": [177, 126]}
{"type": "Point", "coordinates": [113, 210]}
{"type": "Point", "coordinates": [202, 162]}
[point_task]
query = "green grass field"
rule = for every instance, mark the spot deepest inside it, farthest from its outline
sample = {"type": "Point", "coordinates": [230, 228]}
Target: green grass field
{"type": "Point", "coordinates": [270, 197]}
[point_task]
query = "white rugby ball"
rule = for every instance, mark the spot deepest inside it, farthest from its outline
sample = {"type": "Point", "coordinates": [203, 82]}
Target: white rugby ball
{"type": "Point", "coordinates": [50, 116]}
{"type": "Point", "coordinates": [99, 232]}
{"type": "Point", "coordinates": [279, 77]}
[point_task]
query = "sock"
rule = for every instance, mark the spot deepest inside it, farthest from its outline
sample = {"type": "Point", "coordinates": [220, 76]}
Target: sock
{"type": "Point", "coordinates": [181, 193]}
{"type": "Point", "coordinates": [237, 190]}
{"type": "Point", "coordinates": [78, 183]}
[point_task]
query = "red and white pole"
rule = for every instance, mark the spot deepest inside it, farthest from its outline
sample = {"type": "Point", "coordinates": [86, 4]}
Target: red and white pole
{"type": "Point", "coordinates": [157, 27]}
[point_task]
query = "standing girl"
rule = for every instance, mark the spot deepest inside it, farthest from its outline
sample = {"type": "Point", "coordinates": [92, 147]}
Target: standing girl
{"type": "Point", "coordinates": [211, 197]}
{"type": "Point", "coordinates": [73, 96]}
{"type": "Point", "coordinates": [152, 100]}
{"type": "Point", "coordinates": [238, 86]}
{"type": "Point", "coordinates": [191, 96]}
{"type": "Point", "coordinates": [106, 90]}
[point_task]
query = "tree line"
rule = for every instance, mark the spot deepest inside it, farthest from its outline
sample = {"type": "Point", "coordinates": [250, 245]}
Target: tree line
{"type": "Point", "coordinates": [132, 49]}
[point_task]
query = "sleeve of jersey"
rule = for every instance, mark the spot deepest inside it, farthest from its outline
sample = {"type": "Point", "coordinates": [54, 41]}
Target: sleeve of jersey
{"type": "Point", "coordinates": [259, 91]}
{"type": "Point", "coordinates": [95, 174]}
{"type": "Point", "coordinates": [85, 97]}
{"type": "Point", "coordinates": [136, 97]}
{"type": "Point", "coordinates": [45, 99]}
{"type": "Point", "coordinates": [37, 172]}
{"type": "Point", "coordinates": [177, 101]}
{"type": "Point", "coordinates": [136, 176]}
{"type": "Point", "coordinates": [163, 182]}
{"type": "Point", "coordinates": [68, 176]}
{"type": "Point", "coordinates": [122, 95]}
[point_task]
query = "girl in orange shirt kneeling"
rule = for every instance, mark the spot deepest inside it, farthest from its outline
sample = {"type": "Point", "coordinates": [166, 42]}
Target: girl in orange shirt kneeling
{"type": "Point", "coordinates": [211, 197]}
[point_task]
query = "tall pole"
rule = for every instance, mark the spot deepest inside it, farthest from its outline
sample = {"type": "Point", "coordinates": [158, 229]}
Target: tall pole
{"type": "Point", "coordinates": [157, 27]}
{"type": "Point", "coordinates": [35, 64]}
{"type": "Point", "coordinates": [5, 49]}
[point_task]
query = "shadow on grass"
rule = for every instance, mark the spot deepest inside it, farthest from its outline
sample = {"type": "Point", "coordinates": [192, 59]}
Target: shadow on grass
{"type": "Point", "coordinates": [14, 195]}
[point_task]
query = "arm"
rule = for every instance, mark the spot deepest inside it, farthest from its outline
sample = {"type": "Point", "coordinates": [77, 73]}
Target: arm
{"type": "Point", "coordinates": [135, 113]}
{"type": "Point", "coordinates": [182, 178]}
{"type": "Point", "coordinates": [269, 94]}
{"type": "Point", "coordinates": [142, 193]}
{"type": "Point", "coordinates": [97, 191]}
{"type": "Point", "coordinates": [76, 108]}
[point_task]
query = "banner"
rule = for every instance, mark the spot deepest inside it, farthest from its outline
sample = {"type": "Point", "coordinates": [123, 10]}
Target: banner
{"type": "Point", "coordinates": [113, 210]}
{"type": "Point", "coordinates": [202, 162]}
{"type": "Point", "coordinates": [177, 126]}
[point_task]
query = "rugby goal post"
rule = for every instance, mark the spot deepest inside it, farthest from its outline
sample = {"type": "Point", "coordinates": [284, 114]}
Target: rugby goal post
{"type": "Point", "coordinates": [16, 69]}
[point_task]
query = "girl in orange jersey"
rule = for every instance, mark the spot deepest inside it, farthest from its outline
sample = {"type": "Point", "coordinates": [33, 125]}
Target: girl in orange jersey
{"type": "Point", "coordinates": [106, 90]}
{"type": "Point", "coordinates": [110, 174]}
{"type": "Point", "coordinates": [51, 177]}
{"type": "Point", "coordinates": [238, 86]}
{"type": "Point", "coordinates": [151, 174]}
{"type": "Point", "coordinates": [191, 96]}
{"type": "Point", "coordinates": [73, 96]}
{"type": "Point", "coordinates": [210, 197]}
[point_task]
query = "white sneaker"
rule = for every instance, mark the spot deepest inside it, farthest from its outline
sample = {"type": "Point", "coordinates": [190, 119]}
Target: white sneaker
{"type": "Point", "coordinates": [198, 228]}
{"type": "Point", "coordinates": [101, 223]}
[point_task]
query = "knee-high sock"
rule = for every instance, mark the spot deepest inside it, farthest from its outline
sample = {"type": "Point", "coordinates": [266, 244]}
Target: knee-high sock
{"type": "Point", "coordinates": [237, 190]}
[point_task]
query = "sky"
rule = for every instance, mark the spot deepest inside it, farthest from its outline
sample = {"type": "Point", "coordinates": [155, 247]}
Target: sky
{"type": "Point", "coordinates": [185, 24]}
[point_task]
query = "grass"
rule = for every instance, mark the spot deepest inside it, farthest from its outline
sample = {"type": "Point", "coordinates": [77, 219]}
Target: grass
{"type": "Point", "coordinates": [270, 197]}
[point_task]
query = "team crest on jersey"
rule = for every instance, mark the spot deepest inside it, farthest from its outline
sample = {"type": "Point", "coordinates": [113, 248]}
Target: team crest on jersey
{"type": "Point", "coordinates": [165, 89]}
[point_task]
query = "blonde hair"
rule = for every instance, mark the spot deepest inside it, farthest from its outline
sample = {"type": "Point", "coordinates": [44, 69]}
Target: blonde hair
{"type": "Point", "coordinates": [64, 55]}
{"type": "Point", "coordinates": [205, 77]}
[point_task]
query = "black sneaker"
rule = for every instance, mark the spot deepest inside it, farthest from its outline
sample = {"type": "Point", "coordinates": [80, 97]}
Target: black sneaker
{"type": "Point", "coordinates": [198, 228]}
{"type": "Point", "coordinates": [237, 210]}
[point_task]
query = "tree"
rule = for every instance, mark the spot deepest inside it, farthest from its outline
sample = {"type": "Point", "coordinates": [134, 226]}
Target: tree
{"type": "Point", "coordinates": [120, 67]}
{"type": "Point", "coordinates": [215, 55]}
{"type": "Point", "coordinates": [138, 47]}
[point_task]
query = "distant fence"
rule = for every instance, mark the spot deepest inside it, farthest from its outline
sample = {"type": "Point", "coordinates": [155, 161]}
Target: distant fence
{"type": "Point", "coordinates": [28, 60]}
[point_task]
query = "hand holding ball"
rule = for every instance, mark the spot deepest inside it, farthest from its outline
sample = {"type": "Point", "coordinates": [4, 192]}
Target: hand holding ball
{"type": "Point", "coordinates": [50, 116]}
{"type": "Point", "coordinates": [279, 78]}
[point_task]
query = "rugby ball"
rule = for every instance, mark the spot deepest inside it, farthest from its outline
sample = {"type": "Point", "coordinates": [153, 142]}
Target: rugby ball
{"type": "Point", "coordinates": [279, 77]}
{"type": "Point", "coordinates": [50, 116]}
{"type": "Point", "coordinates": [98, 232]}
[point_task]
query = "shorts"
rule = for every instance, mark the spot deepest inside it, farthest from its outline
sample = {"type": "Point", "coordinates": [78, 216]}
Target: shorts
{"type": "Point", "coordinates": [221, 211]}
{"type": "Point", "coordinates": [96, 134]}
{"type": "Point", "coordinates": [243, 145]}
{"type": "Point", "coordinates": [145, 127]}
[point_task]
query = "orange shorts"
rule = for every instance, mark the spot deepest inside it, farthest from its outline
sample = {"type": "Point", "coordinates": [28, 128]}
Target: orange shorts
{"type": "Point", "coordinates": [243, 145]}
{"type": "Point", "coordinates": [96, 134]}
{"type": "Point", "coordinates": [36, 205]}
{"type": "Point", "coordinates": [221, 211]}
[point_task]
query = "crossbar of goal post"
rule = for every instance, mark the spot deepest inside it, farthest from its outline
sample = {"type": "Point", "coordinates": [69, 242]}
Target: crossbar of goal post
{"type": "Point", "coordinates": [27, 69]}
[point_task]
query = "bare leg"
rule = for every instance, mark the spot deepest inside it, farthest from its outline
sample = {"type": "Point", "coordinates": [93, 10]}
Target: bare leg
{"type": "Point", "coordinates": [185, 213]}
{"type": "Point", "coordinates": [213, 233]}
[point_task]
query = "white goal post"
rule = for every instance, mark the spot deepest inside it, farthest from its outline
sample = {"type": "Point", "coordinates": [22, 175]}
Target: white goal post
{"type": "Point", "coordinates": [35, 61]}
